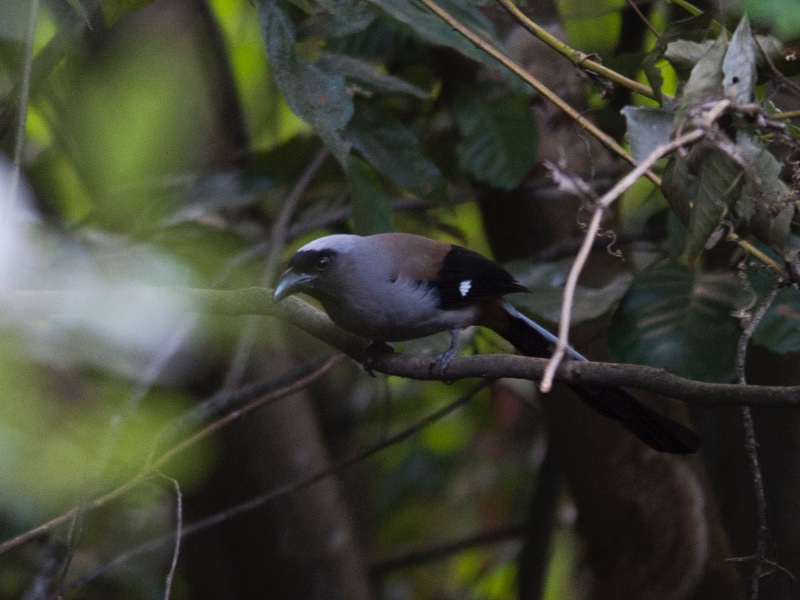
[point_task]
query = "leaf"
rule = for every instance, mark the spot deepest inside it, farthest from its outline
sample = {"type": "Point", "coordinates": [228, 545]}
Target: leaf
{"type": "Point", "coordinates": [685, 54]}
{"type": "Point", "coordinates": [739, 65]}
{"type": "Point", "coordinates": [678, 30]}
{"type": "Point", "coordinates": [365, 74]}
{"type": "Point", "coordinates": [679, 186]}
{"type": "Point", "coordinates": [114, 10]}
{"type": "Point", "coordinates": [316, 96]}
{"type": "Point", "coordinates": [372, 210]}
{"type": "Point", "coordinates": [546, 285]}
{"type": "Point", "coordinates": [719, 183]}
{"type": "Point", "coordinates": [765, 201]}
{"type": "Point", "coordinates": [500, 138]}
{"type": "Point", "coordinates": [679, 320]}
{"type": "Point", "coordinates": [429, 27]}
{"type": "Point", "coordinates": [395, 151]}
{"type": "Point", "coordinates": [648, 128]}
{"type": "Point", "coordinates": [705, 80]}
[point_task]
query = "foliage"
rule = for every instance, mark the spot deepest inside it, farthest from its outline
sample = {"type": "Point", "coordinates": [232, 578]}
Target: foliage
{"type": "Point", "coordinates": [173, 150]}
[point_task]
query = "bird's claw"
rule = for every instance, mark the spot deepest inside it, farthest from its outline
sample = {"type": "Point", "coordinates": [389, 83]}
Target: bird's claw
{"type": "Point", "coordinates": [374, 351]}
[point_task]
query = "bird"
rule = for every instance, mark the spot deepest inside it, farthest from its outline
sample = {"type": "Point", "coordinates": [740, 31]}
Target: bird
{"type": "Point", "coordinates": [393, 287]}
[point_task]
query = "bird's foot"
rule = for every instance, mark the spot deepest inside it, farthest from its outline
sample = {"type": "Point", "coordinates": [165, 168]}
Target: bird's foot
{"type": "Point", "coordinates": [374, 351]}
{"type": "Point", "coordinates": [443, 360]}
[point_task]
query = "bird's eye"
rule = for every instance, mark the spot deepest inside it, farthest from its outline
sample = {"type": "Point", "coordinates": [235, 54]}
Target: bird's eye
{"type": "Point", "coordinates": [323, 262]}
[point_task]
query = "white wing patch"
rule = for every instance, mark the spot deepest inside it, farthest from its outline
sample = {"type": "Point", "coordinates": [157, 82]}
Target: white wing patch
{"type": "Point", "coordinates": [464, 287]}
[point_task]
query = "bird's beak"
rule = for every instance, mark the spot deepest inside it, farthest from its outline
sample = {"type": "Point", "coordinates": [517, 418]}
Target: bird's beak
{"type": "Point", "coordinates": [291, 282]}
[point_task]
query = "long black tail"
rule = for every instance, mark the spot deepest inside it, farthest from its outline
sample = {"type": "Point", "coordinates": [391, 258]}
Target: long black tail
{"type": "Point", "coordinates": [653, 428]}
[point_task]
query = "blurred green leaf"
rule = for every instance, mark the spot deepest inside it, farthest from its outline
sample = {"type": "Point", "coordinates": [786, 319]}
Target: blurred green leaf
{"type": "Point", "coordinates": [395, 151]}
{"type": "Point", "coordinates": [675, 32]}
{"type": "Point", "coordinates": [317, 96]}
{"type": "Point", "coordinates": [500, 138]}
{"type": "Point", "coordinates": [114, 10]}
{"type": "Point", "coordinates": [367, 75]}
{"type": "Point", "coordinates": [668, 317]}
{"type": "Point", "coordinates": [427, 26]}
{"type": "Point", "coordinates": [705, 80]}
{"type": "Point", "coordinates": [372, 210]}
{"type": "Point", "coordinates": [782, 16]}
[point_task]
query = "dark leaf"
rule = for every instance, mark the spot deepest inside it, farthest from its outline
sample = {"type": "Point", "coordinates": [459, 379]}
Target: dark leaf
{"type": "Point", "coordinates": [499, 141]}
{"type": "Point", "coordinates": [372, 210]}
{"type": "Point", "coordinates": [318, 97]}
{"type": "Point", "coordinates": [114, 10]}
{"type": "Point", "coordinates": [719, 183]}
{"type": "Point", "coordinates": [697, 26]}
{"type": "Point", "coordinates": [765, 200]}
{"type": "Point", "coordinates": [546, 283]}
{"type": "Point", "coordinates": [365, 74]}
{"type": "Point", "coordinates": [669, 316]}
{"type": "Point", "coordinates": [395, 151]}
{"type": "Point", "coordinates": [705, 80]}
{"type": "Point", "coordinates": [430, 28]}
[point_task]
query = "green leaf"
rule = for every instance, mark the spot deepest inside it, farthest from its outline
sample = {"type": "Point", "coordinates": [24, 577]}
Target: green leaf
{"type": "Point", "coordinates": [546, 284]}
{"type": "Point", "coordinates": [365, 74]}
{"type": "Point", "coordinates": [648, 128]}
{"type": "Point", "coordinates": [318, 97]}
{"type": "Point", "coordinates": [500, 138]}
{"type": "Point", "coordinates": [739, 64]}
{"type": "Point", "coordinates": [395, 151]}
{"type": "Point", "coordinates": [705, 80]}
{"type": "Point", "coordinates": [719, 183]}
{"type": "Point", "coordinates": [429, 27]}
{"type": "Point", "coordinates": [669, 318]}
{"type": "Point", "coordinates": [685, 54]}
{"type": "Point", "coordinates": [677, 30]}
{"type": "Point", "coordinates": [679, 186]}
{"type": "Point", "coordinates": [372, 209]}
{"type": "Point", "coordinates": [114, 10]}
{"type": "Point", "coordinates": [765, 201]}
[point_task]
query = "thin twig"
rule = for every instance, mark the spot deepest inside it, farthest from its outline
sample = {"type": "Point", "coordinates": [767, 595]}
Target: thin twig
{"type": "Point", "coordinates": [313, 321]}
{"type": "Point", "coordinates": [22, 111]}
{"type": "Point", "coordinates": [751, 444]}
{"type": "Point", "coordinates": [178, 534]}
{"type": "Point", "coordinates": [442, 550]}
{"type": "Point", "coordinates": [605, 139]}
{"type": "Point", "coordinates": [643, 18]}
{"type": "Point", "coordinates": [152, 467]}
{"type": "Point", "coordinates": [282, 491]}
{"type": "Point", "coordinates": [577, 58]}
{"type": "Point", "coordinates": [277, 239]}
{"type": "Point", "coordinates": [591, 231]}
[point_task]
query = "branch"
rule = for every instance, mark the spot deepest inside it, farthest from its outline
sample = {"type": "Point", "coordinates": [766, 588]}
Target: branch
{"type": "Point", "coordinates": [605, 139]}
{"type": "Point", "coordinates": [254, 300]}
{"type": "Point", "coordinates": [281, 491]}
{"type": "Point", "coordinates": [576, 57]}
{"type": "Point", "coordinates": [260, 394]}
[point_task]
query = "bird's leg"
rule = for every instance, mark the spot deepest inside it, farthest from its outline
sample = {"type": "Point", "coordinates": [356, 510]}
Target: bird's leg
{"type": "Point", "coordinates": [443, 359]}
{"type": "Point", "coordinates": [374, 351]}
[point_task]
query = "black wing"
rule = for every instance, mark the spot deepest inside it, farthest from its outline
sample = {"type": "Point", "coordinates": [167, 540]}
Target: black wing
{"type": "Point", "coordinates": [467, 277]}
